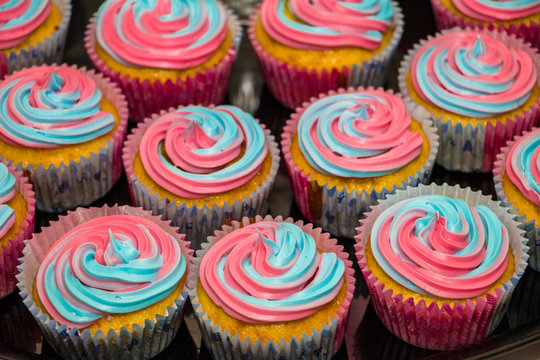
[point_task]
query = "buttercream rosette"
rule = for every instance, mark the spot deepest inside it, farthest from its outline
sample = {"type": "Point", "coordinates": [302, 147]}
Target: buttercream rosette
{"type": "Point", "coordinates": [483, 82]}
{"type": "Point", "coordinates": [91, 252]}
{"type": "Point", "coordinates": [172, 35]}
{"type": "Point", "coordinates": [517, 170]}
{"type": "Point", "coordinates": [350, 134]}
{"type": "Point", "coordinates": [193, 157]}
{"type": "Point", "coordinates": [264, 271]}
{"type": "Point", "coordinates": [327, 26]}
{"type": "Point", "coordinates": [13, 184]}
{"type": "Point", "coordinates": [31, 14]}
{"type": "Point", "coordinates": [441, 264]}
{"type": "Point", "coordinates": [519, 18]}
{"type": "Point", "coordinates": [59, 107]}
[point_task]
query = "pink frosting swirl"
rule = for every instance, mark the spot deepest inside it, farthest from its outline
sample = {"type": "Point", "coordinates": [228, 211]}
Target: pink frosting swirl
{"type": "Point", "coordinates": [490, 10]}
{"type": "Point", "coordinates": [523, 165]}
{"type": "Point", "coordinates": [18, 18]}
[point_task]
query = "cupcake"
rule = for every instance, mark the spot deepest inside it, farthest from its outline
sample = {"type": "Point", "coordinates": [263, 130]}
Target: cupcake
{"type": "Point", "coordinates": [479, 86]}
{"type": "Point", "coordinates": [307, 48]}
{"type": "Point", "coordinates": [441, 264]}
{"type": "Point", "coordinates": [272, 289]}
{"type": "Point", "coordinates": [17, 212]}
{"type": "Point", "coordinates": [199, 166]}
{"type": "Point", "coordinates": [346, 150]}
{"type": "Point", "coordinates": [520, 18]}
{"type": "Point", "coordinates": [164, 53]}
{"type": "Point", "coordinates": [107, 282]}
{"type": "Point", "coordinates": [517, 183]}
{"type": "Point", "coordinates": [32, 32]}
{"type": "Point", "coordinates": [63, 127]}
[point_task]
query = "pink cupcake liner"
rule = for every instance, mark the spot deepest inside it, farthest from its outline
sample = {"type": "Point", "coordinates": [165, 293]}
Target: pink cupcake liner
{"type": "Point", "coordinates": [341, 208]}
{"type": "Point", "coordinates": [9, 255]}
{"type": "Point", "coordinates": [196, 223]}
{"type": "Point", "coordinates": [47, 52]}
{"type": "Point", "coordinates": [320, 345]}
{"type": "Point", "coordinates": [80, 183]}
{"type": "Point", "coordinates": [452, 325]}
{"type": "Point", "coordinates": [146, 98]}
{"type": "Point", "coordinates": [465, 147]}
{"type": "Point", "coordinates": [135, 343]}
{"type": "Point", "coordinates": [291, 85]}
{"type": "Point", "coordinates": [532, 227]}
{"type": "Point", "coordinates": [446, 19]}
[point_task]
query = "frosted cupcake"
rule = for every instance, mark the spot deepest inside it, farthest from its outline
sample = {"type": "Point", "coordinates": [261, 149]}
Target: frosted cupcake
{"type": "Point", "coordinates": [64, 128]}
{"type": "Point", "coordinates": [441, 264]}
{"type": "Point", "coordinates": [32, 32]}
{"type": "Point", "coordinates": [344, 151]}
{"type": "Point", "coordinates": [200, 166]}
{"type": "Point", "coordinates": [272, 289]}
{"type": "Point", "coordinates": [307, 48]}
{"type": "Point", "coordinates": [164, 53]}
{"type": "Point", "coordinates": [106, 283]}
{"type": "Point", "coordinates": [480, 87]}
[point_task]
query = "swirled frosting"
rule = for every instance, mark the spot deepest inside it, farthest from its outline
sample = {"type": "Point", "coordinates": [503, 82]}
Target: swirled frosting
{"type": "Point", "coordinates": [108, 265]}
{"type": "Point", "coordinates": [18, 18]}
{"type": "Point", "coordinates": [7, 191]}
{"type": "Point", "coordinates": [441, 246]}
{"type": "Point", "coordinates": [270, 271]}
{"type": "Point", "coordinates": [360, 134]}
{"type": "Point", "coordinates": [170, 34]}
{"type": "Point", "coordinates": [51, 106]}
{"type": "Point", "coordinates": [196, 151]}
{"type": "Point", "coordinates": [493, 10]}
{"type": "Point", "coordinates": [327, 24]}
{"type": "Point", "coordinates": [472, 74]}
{"type": "Point", "coordinates": [523, 165]}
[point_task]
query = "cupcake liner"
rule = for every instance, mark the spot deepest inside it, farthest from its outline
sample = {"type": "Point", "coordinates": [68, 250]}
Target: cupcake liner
{"type": "Point", "coordinates": [532, 230]}
{"type": "Point", "coordinates": [47, 52]}
{"type": "Point", "coordinates": [320, 345]}
{"type": "Point", "coordinates": [445, 19]}
{"type": "Point", "coordinates": [291, 85]}
{"type": "Point", "coordinates": [146, 98]}
{"type": "Point", "coordinates": [9, 255]}
{"type": "Point", "coordinates": [465, 147]}
{"type": "Point", "coordinates": [452, 325]}
{"type": "Point", "coordinates": [79, 183]}
{"type": "Point", "coordinates": [340, 209]}
{"type": "Point", "coordinates": [139, 342]}
{"type": "Point", "coordinates": [197, 223]}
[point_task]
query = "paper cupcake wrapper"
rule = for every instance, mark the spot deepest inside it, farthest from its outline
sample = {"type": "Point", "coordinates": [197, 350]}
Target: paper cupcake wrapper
{"type": "Point", "coordinates": [47, 52]}
{"type": "Point", "coordinates": [291, 85]}
{"type": "Point", "coordinates": [196, 223]}
{"type": "Point", "coordinates": [445, 19]}
{"type": "Point", "coordinates": [465, 147]}
{"type": "Point", "coordinates": [453, 325]}
{"type": "Point", "coordinates": [9, 255]}
{"type": "Point", "coordinates": [340, 209]}
{"type": "Point", "coordinates": [79, 183]}
{"type": "Point", "coordinates": [320, 345]}
{"type": "Point", "coordinates": [527, 309]}
{"type": "Point", "coordinates": [532, 229]}
{"type": "Point", "coordinates": [139, 342]}
{"type": "Point", "coordinates": [146, 98]}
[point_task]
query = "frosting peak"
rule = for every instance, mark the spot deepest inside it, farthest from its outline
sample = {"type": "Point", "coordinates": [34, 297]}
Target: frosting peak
{"type": "Point", "coordinates": [493, 10]}
{"type": "Point", "coordinates": [18, 18]}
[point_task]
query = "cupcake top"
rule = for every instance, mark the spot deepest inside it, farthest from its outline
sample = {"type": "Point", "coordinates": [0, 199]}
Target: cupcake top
{"type": "Point", "coordinates": [361, 134]}
{"type": "Point", "coordinates": [441, 246]}
{"type": "Point", "coordinates": [497, 10]}
{"type": "Point", "coordinates": [523, 165]}
{"type": "Point", "coordinates": [472, 74]}
{"type": "Point", "coordinates": [108, 265]}
{"type": "Point", "coordinates": [7, 191]}
{"type": "Point", "coordinates": [51, 106]}
{"type": "Point", "coordinates": [270, 271]}
{"type": "Point", "coordinates": [168, 34]}
{"type": "Point", "coordinates": [195, 151]}
{"type": "Point", "coordinates": [18, 18]}
{"type": "Point", "coordinates": [320, 25]}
